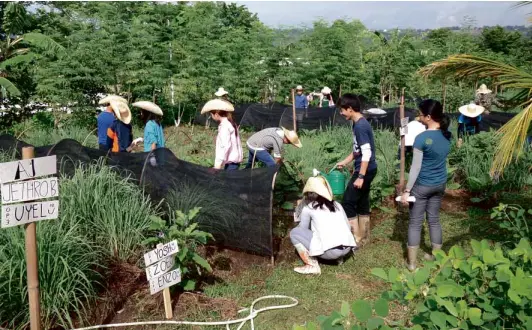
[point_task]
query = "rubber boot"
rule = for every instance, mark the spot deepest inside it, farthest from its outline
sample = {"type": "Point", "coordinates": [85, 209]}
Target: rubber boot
{"type": "Point", "coordinates": [365, 228]}
{"type": "Point", "coordinates": [355, 230]}
{"type": "Point", "coordinates": [411, 258]}
{"type": "Point", "coordinates": [430, 257]}
{"type": "Point", "coordinates": [311, 264]}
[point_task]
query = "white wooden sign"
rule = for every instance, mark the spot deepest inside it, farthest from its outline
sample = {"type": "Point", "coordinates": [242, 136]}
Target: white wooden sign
{"type": "Point", "coordinates": [403, 130]}
{"type": "Point", "coordinates": [165, 281]}
{"type": "Point", "coordinates": [404, 121]}
{"type": "Point", "coordinates": [21, 191]}
{"type": "Point", "coordinates": [19, 214]}
{"type": "Point", "coordinates": [161, 252]}
{"type": "Point", "coordinates": [160, 267]}
{"type": "Point", "coordinates": [28, 169]}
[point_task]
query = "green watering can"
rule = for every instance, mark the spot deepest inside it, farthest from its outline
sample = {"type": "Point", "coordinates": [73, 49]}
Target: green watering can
{"type": "Point", "coordinates": [335, 178]}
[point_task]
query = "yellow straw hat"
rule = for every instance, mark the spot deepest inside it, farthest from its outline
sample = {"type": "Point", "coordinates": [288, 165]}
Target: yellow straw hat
{"type": "Point", "coordinates": [121, 111]}
{"type": "Point", "coordinates": [217, 104]}
{"type": "Point", "coordinates": [320, 186]}
{"type": "Point", "coordinates": [292, 137]}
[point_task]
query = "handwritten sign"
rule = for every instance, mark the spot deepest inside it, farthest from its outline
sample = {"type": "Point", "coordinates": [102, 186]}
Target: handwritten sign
{"type": "Point", "coordinates": [165, 281]}
{"type": "Point", "coordinates": [19, 214]}
{"type": "Point", "coordinates": [21, 191]}
{"type": "Point", "coordinates": [28, 169]}
{"type": "Point", "coordinates": [160, 267]}
{"type": "Point", "coordinates": [404, 121]}
{"type": "Point", "coordinates": [403, 130]}
{"type": "Point", "coordinates": [161, 252]}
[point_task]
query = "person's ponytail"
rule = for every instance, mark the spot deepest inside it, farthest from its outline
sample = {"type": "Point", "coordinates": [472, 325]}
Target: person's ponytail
{"type": "Point", "coordinates": [231, 120]}
{"type": "Point", "coordinates": [444, 126]}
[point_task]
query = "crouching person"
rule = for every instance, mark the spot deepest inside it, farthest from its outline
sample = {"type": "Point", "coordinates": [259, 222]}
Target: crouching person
{"type": "Point", "coordinates": [323, 230]}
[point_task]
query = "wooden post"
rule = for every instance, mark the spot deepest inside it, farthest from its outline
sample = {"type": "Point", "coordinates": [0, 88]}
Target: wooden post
{"type": "Point", "coordinates": [294, 109]}
{"type": "Point", "coordinates": [167, 304]}
{"type": "Point", "coordinates": [403, 156]}
{"type": "Point", "coordinates": [444, 91]}
{"type": "Point", "coordinates": [32, 262]}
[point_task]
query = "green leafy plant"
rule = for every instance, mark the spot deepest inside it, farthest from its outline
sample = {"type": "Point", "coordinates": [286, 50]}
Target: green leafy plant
{"type": "Point", "coordinates": [514, 219]}
{"type": "Point", "coordinates": [183, 228]}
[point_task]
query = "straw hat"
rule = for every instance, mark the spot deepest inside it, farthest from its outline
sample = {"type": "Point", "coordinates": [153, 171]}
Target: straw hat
{"type": "Point", "coordinates": [109, 98]}
{"type": "Point", "coordinates": [471, 110]}
{"type": "Point", "coordinates": [299, 88]}
{"type": "Point", "coordinates": [292, 137]}
{"type": "Point", "coordinates": [221, 92]}
{"type": "Point", "coordinates": [483, 89]}
{"type": "Point", "coordinates": [320, 186]}
{"type": "Point", "coordinates": [121, 111]}
{"type": "Point", "coordinates": [217, 104]}
{"type": "Point", "coordinates": [326, 90]}
{"type": "Point", "coordinates": [149, 106]}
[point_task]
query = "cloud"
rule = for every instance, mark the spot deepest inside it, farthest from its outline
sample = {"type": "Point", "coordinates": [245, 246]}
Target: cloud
{"type": "Point", "coordinates": [387, 14]}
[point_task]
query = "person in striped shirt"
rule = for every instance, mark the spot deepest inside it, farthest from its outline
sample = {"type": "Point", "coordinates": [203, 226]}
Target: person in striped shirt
{"type": "Point", "coordinates": [273, 139]}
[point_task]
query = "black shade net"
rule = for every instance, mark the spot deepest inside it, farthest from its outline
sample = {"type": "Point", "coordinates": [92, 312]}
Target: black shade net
{"type": "Point", "coordinates": [259, 116]}
{"type": "Point", "coordinates": [243, 217]}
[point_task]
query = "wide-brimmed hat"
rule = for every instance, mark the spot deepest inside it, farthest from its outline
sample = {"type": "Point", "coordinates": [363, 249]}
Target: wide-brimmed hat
{"type": "Point", "coordinates": [121, 111]}
{"type": "Point", "coordinates": [217, 104]}
{"type": "Point", "coordinates": [292, 137]}
{"type": "Point", "coordinates": [483, 89]}
{"type": "Point", "coordinates": [471, 110]}
{"type": "Point", "coordinates": [326, 90]}
{"type": "Point", "coordinates": [299, 88]}
{"type": "Point", "coordinates": [320, 186]}
{"type": "Point", "coordinates": [109, 98]}
{"type": "Point", "coordinates": [221, 92]}
{"type": "Point", "coordinates": [149, 106]}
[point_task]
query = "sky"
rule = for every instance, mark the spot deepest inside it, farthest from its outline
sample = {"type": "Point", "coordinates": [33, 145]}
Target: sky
{"type": "Point", "coordinates": [389, 14]}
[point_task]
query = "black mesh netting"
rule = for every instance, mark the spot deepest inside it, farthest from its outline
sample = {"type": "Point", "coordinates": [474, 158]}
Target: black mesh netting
{"type": "Point", "coordinates": [258, 116]}
{"type": "Point", "coordinates": [243, 219]}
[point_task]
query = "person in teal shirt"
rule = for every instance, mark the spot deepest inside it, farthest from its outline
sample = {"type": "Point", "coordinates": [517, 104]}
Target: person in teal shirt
{"type": "Point", "coordinates": [153, 131]}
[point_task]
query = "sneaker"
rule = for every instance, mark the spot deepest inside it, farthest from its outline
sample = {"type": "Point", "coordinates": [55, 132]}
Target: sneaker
{"type": "Point", "coordinates": [308, 269]}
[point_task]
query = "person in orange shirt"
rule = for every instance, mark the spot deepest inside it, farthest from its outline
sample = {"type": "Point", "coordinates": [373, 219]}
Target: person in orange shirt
{"type": "Point", "coordinates": [120, 134]}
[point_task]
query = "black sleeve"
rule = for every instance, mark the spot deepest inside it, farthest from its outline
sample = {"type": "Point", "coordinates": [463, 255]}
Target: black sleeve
{"type": "Point", "coordinates": [477, 127]}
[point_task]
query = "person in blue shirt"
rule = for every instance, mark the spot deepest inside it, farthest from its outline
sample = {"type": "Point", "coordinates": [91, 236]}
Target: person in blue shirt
{"type": "Point", "coordinates": [105, 119]}
{"type": "Point", "coordinates": [120, 133]}
{"type": "Point", "coordinates": [152, 115]}
{"type": "Point", "coordinates": [427, 179]}
{"type": "Point", "coordinates": [469, 121]}
{"type": "Point", "coordinates": [356, 202]}
{"type": "Point", "coordinates": [301, 99]}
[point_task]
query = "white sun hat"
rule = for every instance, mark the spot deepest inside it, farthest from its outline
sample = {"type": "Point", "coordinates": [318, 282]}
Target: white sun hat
{"type": "Point", "coordinates": [483, 89]}
{"type": "Point", "coordinates": [471, 110]}
{"type": "Point", "coordinates": [292, 137]}
{"type": "Point", "coordinates": [149, 106]}
{"type": "Point", "coordinates": [326, 90]}
{"type": "Point", "coordinates": [217, 104]}
{"type": "Point", "coordinates": [299, 88]}
{"type": "Point", "coordinates": [320, 186]}
{"type": "Point", "coordinates": [121, 111]}
{"type": "Point", "coordinates": [109, 98]}
{"type": "Point", "coordinates": [221, 92]}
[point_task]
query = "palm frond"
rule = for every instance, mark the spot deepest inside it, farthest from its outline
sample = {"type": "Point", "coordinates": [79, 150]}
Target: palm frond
{"type": "Point", "coordinates": [513, 138]}
{"type": "Point", "coordinates": [44, 42]}
{"type": "Point", "coordinates": [17, 60]}
{"type": "Point", "coordinates": [10, 88]}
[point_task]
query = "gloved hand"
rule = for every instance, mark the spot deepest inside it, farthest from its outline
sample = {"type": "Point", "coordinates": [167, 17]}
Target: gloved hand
{"type": "Point", "coordinates": [137, 141]}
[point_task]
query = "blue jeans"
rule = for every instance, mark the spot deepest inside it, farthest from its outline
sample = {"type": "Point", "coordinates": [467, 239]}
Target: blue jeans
{"type": "Point", "coordinates": [260, 155]}
{"type": "Point", "coordinates": [232, 166]}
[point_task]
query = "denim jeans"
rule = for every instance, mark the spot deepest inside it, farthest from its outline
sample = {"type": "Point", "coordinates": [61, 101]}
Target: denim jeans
{"type": "Point", "coordinates": [232, 166]}
{"type": "Point", "coordinates": [428, 201]}
{"type": "Point", "coordinates": [260, 155]}
{"type": "Point", "coordinates": [356, 201]}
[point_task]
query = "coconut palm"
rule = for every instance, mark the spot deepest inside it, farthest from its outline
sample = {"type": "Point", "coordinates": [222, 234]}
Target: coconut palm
{"type": "Point", "coordinates": [14, 48]}
{"type": "Point", "coordinates": [514, 132]}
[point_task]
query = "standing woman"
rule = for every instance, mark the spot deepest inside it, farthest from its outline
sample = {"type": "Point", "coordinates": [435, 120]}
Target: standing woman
{"type": "Point", "coordinates": [228, 145]}
{"type": "Point", "coordinates": [152, 115]}
{"type": "Point", "coordinates": [427, 178]}
{"type": "Point", "coordinates": [120, 133]}
{"type": "Point", "coordinates": [326, 99]}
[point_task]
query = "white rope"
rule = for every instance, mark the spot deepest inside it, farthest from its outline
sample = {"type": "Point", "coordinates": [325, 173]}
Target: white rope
{"type": "Point", "coordinates": [252, 314]}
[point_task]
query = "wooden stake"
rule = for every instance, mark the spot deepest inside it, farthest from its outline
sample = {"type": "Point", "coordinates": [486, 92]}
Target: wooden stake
{"type": "Point", "coordinates": [403, 156]}
{"type": "Point", "coordinates": [294, 109]}
{"type": "Point", "coordinates": [167, 304]}
{"type": "Point", "coordinates": [32, 262]}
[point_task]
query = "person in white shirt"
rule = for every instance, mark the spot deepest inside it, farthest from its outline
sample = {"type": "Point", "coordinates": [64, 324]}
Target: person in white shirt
{"type": "Point", "coordinates": [323, 231]}
{"type": "Point", "coordinates": [414, 128]}
{"type": "Point", "coordinates": [228, 144]}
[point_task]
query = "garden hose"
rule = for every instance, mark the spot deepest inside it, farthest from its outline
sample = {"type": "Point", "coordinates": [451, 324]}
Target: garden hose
{"type": "Point", "coordinates": [252, 314]}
